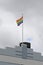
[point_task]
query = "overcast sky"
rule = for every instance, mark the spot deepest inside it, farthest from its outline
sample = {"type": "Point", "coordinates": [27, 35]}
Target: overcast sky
{"type": "Point", "coordinates": [11, 34]}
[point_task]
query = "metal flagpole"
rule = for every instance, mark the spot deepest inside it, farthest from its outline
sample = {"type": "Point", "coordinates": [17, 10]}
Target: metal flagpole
{"type": "Point", "coordinates": [22, 30]}
{"type": "Point", "coordinates": [22, 33]}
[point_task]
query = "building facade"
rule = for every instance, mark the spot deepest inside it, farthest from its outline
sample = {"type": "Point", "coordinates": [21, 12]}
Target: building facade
{"type": "Point", "coordinates": [20, 55]}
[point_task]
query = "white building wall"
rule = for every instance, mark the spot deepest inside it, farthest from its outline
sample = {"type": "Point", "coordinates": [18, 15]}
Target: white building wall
{"type": "Point", "coordinates": [18, 61]}
{"type": "Point", "coordinates": [20, 56]}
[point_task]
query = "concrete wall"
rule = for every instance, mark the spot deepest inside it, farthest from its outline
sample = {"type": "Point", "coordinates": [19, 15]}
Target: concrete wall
{"type": "Point", "coordinates": [7, 60]}
{"type": "Point", "coordinates": [7, 63]}
{"type": "Point", "coordinates": [21, 52]}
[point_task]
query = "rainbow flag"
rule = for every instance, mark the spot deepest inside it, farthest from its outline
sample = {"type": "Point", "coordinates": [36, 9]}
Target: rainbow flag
{"type": "Point", "coordinates": [19, 21]}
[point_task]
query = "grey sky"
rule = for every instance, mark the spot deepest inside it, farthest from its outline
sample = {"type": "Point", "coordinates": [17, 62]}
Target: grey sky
{"type": "Point", "coordinates": [10, 33]}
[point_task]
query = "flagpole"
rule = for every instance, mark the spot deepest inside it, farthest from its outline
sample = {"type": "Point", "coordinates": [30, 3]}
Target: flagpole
{"type": "Point", "coordinates": [22, 30]}
{"type": "Point", "coordinates": [22, 33]}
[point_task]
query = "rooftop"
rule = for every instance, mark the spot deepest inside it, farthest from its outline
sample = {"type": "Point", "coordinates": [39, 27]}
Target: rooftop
{"type": "Point", "coordinates": [22, 51]}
